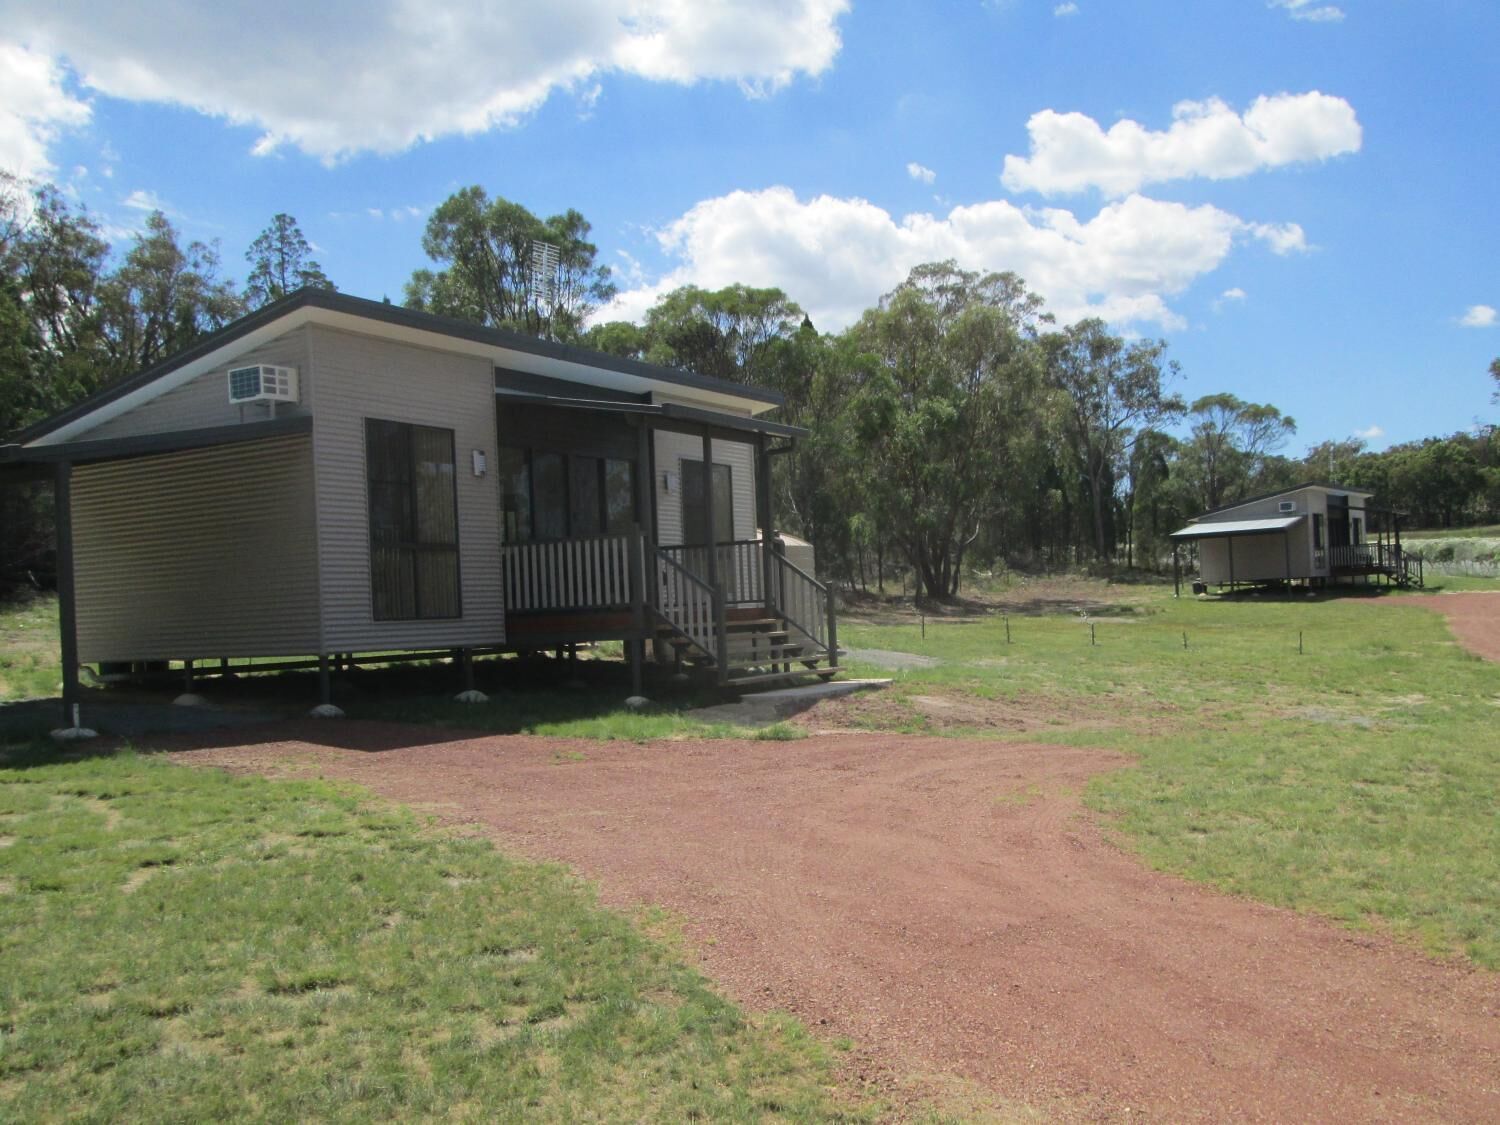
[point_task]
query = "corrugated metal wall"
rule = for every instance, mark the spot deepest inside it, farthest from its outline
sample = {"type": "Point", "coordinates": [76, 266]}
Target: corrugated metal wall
{"type": "Point", "coordinates": [671, 450]}
{"type": "Point", "coordinates": [197, 555]}
{"type": "Point", "coordinates": [204, 401]}
{"type": "Point", "coordinates": [355, 377]}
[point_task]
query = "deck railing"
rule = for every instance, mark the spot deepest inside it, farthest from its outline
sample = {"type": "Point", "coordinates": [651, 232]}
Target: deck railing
{"type": "Point", "coordinates": [615, 572]}
{"type": "Point", "coordinates": [738, 565]}
{"type": "Point", "coordinates": [591, 573]}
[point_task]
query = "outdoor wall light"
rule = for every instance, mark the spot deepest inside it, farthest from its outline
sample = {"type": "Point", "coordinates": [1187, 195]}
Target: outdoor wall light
{"type": "Point", "coordinates": [479, 463]}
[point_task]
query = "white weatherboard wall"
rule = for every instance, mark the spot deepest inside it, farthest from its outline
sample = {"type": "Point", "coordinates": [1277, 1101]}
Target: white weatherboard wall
{"type": "Point", "coordinates": [354, 377]}
{"type": "Point", "coordinates": [204, 401]}
{"type": "Point", "coordinates": [672, 449]}
{"type": "Point", "coordinates": [1256, 558]}
{"type": "Point", "coordinates": [197, 555]}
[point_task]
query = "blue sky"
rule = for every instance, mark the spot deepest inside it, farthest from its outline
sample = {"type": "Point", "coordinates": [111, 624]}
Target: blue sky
{"type": "Point", "coordinates": [1297, 194]}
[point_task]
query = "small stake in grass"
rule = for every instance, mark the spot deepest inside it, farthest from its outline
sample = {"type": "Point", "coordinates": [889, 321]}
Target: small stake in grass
{"type": "Point", "coordinates": [1006, 618]}
{"type": "Point", "coordinates": [1184, 640]}
{"type": "Point", "coordinates": [924, 626]}
{"type": "Point", "coordinates": [1091, 634]}
{"type": "Point", "coordinates": [1299, 642]}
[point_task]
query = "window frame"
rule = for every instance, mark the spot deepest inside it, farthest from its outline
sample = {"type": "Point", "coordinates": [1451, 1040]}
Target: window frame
{"type": "Point", "coordinates": [570, 459]}
{"type": "Point", "coordinates": [413, 499]}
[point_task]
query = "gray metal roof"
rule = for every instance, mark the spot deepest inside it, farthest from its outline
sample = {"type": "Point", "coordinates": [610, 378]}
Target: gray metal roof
{"type": "Point", "coordinates": [1218, 529]}
{"type": "Point", "coordinates": [500, 340]}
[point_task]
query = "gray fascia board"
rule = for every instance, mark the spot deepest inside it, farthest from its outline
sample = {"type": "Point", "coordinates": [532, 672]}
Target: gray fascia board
{"type": "Point", "coordinates": [143, 445]}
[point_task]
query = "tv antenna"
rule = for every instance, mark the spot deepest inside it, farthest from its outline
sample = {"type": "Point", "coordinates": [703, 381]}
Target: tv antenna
{"type": "Point", "coordinates": [542, 265]}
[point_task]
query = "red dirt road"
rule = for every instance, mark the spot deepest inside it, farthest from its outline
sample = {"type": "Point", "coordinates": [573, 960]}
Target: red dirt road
{"type": "Point", "coordinates": [1474, 617]}
{"type": "Point", "coordinates": [952, 908]}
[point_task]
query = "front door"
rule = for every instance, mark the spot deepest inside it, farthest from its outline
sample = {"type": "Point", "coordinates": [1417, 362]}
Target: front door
{"type": "Point", "coordinates": [695, 533]}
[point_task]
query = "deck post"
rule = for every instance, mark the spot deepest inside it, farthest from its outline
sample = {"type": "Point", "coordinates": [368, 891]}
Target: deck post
{"type": "Point", "coordinates": [635, 655]}
{"type": "Point", "coordinates": [635, 570]}
{"type": "Point", "coordinates": [67, 607]}
{"type": "Point", "coordinates": [711, 519]}
{"type": "Point", "coordinates": [325, 680]}
{"type": "Point", "coordinates": [1176, 570]}
{"type": "Point", "coordinates": [763, 517]}
{"type": "Point", "coordinates": [1286, 546]}
{"type": "Point", "coordinates": [710, 516]}
{"type": "Point", "coordinates": [1229, 540]}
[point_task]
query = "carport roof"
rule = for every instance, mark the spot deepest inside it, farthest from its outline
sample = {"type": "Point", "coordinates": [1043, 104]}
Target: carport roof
{"type": "Point", "coordinates": [1219, 529]}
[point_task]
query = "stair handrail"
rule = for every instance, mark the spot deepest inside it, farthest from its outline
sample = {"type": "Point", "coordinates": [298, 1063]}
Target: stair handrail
{"type": "Point", "coordinates": [809, 610]}
{"type": "Point", "coordinates": [698, 617]}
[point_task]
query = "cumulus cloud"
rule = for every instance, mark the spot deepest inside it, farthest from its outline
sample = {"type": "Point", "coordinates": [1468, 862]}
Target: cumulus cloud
{"type": "Point", "coordinates": [34, 109]}
{"type": "Point", "coordinates": [352, 75]}
{"type": "Point", "coordinates": [1068, 9]}
{"type": "Point", "coordinates": [836, 256]}
{"type": "Point", "coordinates": [1071, 153]}
{"type": "Point", "coordinates": [1310, 10]}
{"type": "Point", "coordinates": [919, 172]}
{"type": "Point", "coordinates": [1478, 316]}
{"type": "Point", "coordinates": [1370, 433]}
{"type": "Point", "coordinates": [1235, 294]}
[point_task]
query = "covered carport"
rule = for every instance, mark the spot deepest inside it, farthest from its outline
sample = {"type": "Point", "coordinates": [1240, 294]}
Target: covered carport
{"type": "Point", "coordinates": [1264, 554]}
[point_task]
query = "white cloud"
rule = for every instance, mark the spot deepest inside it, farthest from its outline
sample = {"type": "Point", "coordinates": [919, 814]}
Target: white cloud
{"type": "Point", "coordinates": [1370, 433]}
{"type": "Point", "coordinates": [142, 200]}
{"type": "Point", "coordinates": [34, 109]}
{"type": "Point", "coordinates": [1068, 9]}
{"type": "Point", "coordinates": [836, 256]}
{"type": "Point", "coordinates": [1070, 152]}
{"type": "Point", "coordinates": [1235, 294]}
{"type": "Point", "coordinates": [1310, 10]}
{"type": "Point", "coordinates": [918, 172]}
{"type": "Point", "coordinates": [346, 76]}
{"type": "Point", "coordinates": [1478, 316]}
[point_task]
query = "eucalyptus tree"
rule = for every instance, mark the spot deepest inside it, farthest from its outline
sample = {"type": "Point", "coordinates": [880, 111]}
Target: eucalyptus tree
{"type": "Point", "coordinates": [1107, 390]}
{"type": "Point", "coordinates": [738, 332]}
{"type": "Point", "coordinates": [502, 266]}
{"type": "Point", "coordinates": [163, 297]}
{"type": "Point", "coordinates": [1232, 444]}
{"type": "Point", "coordinates": [280, 263]}
{"type": "Point", "coordinates": [944, 369]}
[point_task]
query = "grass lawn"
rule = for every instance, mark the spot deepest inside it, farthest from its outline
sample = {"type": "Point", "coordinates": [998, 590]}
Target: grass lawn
{"type": "Point", "coordinates": [181, 944]}
{"type": "Point", "coordinates": [1359, 779]}
{"type": "Point", "coordinates": [29, 665]}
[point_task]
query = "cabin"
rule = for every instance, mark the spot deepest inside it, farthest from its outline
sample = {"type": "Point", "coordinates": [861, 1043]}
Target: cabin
{"type": "Point", "coordinates": [330, 478]}
{"type": "Point", "coordinates": [1314, 534]}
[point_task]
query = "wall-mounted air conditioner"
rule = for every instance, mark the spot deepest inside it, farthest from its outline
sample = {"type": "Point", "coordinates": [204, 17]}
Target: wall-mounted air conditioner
{"type": "Point", "coordinates": [263, 382]}
{"type": "Point", "coordinates": [1288, 506]}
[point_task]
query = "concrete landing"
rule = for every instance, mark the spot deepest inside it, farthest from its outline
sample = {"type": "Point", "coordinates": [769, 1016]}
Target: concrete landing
{"type": "Point", "coordinates": [763, 708]}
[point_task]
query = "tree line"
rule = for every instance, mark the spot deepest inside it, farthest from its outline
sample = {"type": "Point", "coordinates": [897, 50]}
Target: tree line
{"type": "Point", "coordinates": [953, 426]}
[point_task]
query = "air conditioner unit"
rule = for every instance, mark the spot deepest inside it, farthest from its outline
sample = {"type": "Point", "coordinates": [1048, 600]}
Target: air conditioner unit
{"type": "Point", "coordinates": [263, 382]}
{"type": "Point", "coordinates": [1288, 505]}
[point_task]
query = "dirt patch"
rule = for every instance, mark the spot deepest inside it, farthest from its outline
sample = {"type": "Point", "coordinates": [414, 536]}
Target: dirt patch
{"type": "Point", "coordinates": [941, 711]}
{"type": "Point", "coordinates": [951, 907]}
{"type": "Point", "coordinates": [1474, 617]}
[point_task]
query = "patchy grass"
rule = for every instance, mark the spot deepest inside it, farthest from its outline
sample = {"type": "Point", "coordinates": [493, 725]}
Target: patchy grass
{"type": "Point", "coordinates": [1355, 779]}
{"type": "Point", "coordinates": [29, 663]}
{"type": "Point", "coordinates": [186, 944]}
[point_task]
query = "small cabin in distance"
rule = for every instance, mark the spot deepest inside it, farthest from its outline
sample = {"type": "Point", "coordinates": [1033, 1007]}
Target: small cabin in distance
{"type": "Point", "coordinates": [1314, 534]}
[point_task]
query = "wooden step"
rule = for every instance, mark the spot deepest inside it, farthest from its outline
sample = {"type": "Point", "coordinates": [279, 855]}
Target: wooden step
{"type": "Point", "coordinates": [824, 674]}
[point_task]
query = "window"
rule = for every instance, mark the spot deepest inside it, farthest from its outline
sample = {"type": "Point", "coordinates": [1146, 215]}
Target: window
{"type": "Point", "coordinates": [619, 496]}
{"type": "Point", "coordinates": [1317, 531]}
{"type": "Point", "coordinates": [413, 504]}
{"type": "Point", "coordinates": [547, 495]}
{"type": "Point", "coordinates": [694, 504]}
